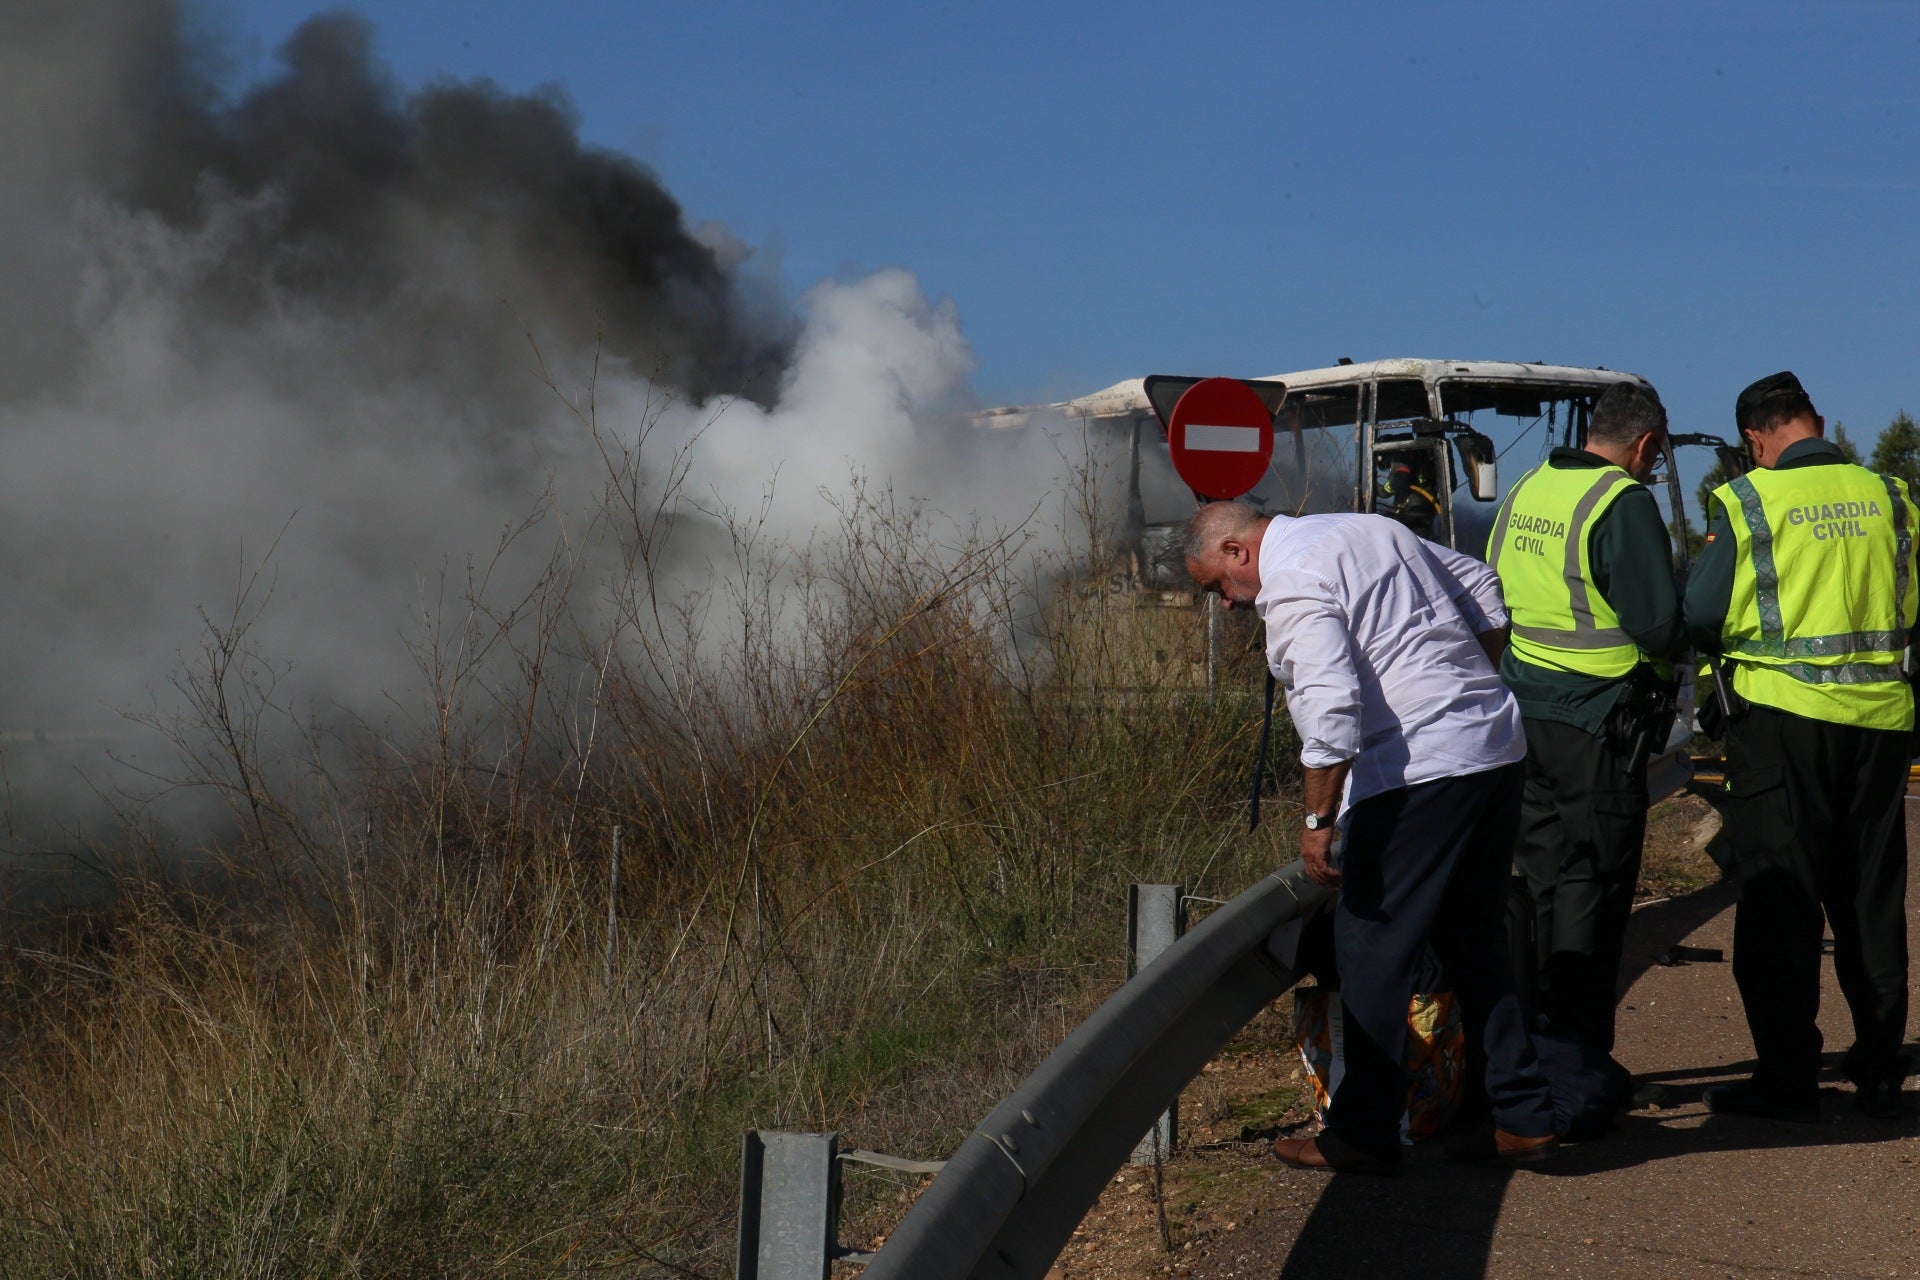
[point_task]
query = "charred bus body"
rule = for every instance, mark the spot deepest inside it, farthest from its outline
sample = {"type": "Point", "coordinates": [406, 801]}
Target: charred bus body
{"type": "Point", "coordinates": [1434, 443]}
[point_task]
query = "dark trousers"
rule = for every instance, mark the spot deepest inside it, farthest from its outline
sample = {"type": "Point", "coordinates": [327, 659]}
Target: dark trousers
{"type": "Point", "coordinates": [1427, 865]}
{"type": "Point", "coordinates": [1816, 814]}
{"type": "Point", "coordinates": [1583, 819]}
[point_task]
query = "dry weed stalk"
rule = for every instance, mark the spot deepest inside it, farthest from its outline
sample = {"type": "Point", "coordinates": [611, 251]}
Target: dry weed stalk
{"type": "Point", "coordinates": [873, 831]}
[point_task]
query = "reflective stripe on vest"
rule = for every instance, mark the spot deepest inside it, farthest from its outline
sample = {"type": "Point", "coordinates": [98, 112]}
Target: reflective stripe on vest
{"type": "Point", "coordinates": [1583, 644]}
{"type": "Point", "coordinates": [1773, 642]}
{"type": "Point", "coordinates": [1827, 641]}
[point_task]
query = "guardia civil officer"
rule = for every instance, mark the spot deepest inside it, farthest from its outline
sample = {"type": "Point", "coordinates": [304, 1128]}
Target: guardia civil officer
{"type": "Point", "coordinates": [1587, 572]}
{"type": "Point", "coordinates": [1807, 587]}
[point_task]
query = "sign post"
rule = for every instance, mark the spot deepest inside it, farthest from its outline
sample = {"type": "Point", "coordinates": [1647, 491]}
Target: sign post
{"type": "Point", "coordinates": [1220, 437]}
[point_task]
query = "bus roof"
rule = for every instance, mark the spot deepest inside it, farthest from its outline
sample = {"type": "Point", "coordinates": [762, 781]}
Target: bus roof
{"type": "Point", "coordinates": [1128, 397]}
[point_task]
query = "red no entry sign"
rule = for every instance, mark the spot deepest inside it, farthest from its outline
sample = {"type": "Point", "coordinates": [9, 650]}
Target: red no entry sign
{"type": "Point", "coordinates": [1221, 437]}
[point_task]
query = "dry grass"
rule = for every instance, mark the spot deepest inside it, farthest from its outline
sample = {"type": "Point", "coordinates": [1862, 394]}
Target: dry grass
{"type": "Point", "coordinates": [1674, 860]}
{"type": "Point", "coordinates": [872, 858]}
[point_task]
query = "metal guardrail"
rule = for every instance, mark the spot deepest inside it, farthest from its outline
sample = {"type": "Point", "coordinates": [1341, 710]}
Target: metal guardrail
{"type": "Point", "coordinates": [790, 1203]}
{"type": "Point", "coordinates": [1008, 1200]}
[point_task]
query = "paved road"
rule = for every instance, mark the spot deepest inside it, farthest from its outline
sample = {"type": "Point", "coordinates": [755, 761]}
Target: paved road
{"type": "Point", "coordinates": [1675, 1193]}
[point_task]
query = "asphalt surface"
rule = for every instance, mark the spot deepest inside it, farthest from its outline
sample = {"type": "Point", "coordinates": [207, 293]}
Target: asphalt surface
{"type": "Point", "coordinates": [1672, 1192]}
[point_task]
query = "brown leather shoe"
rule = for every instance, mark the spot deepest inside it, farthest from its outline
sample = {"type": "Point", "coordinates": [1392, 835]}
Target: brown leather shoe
{"type": "Point", "coordinates": [1489, 1144]}
{"type": "Point", "coordinates": [1329, 1153]}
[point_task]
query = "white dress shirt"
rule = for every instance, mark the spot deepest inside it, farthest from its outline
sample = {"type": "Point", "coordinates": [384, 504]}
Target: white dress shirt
{"type": "Point", "coordinates": [1372, 631]}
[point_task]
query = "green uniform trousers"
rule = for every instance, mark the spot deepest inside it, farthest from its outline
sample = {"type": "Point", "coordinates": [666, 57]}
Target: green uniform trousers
{"type": "Point", "coordinates": [1583, 817]}
{"type": "Point", "coordinates": [1816, 816]}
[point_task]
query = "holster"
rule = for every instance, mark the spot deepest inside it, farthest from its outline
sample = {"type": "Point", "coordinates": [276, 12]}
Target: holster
{"type": "Point", "coordinates": [1643, 717]}
{"type": "Point", "coordinates": [1723, 706]}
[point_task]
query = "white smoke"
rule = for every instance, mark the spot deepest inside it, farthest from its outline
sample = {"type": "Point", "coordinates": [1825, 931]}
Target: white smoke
{"type": "Point", "coordinates": [233, 425]}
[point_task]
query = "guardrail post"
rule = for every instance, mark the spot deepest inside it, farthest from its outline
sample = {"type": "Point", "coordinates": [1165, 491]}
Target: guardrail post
{"type": "Point", "coordinates": [1213, 643]}
{"type": "Point", "coordinates": [1156, 917]}
{"type": "Point", "coordinates": [789, 1205]}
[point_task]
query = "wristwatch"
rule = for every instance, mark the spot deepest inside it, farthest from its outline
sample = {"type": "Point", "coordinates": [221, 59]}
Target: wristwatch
{"type": "Point", "coordinates": [1315, 821]}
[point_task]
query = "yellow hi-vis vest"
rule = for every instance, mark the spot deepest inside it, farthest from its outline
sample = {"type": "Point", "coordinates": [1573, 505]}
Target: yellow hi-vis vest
{"type": "Point", "coordinates": [1539, 549]}
{"type": "Point", "coordinates": [1824, 595]}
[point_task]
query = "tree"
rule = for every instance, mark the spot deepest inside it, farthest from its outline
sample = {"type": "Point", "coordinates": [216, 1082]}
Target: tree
{"type": "Point", "coordinates": [1715, 477]}
{"type": "Point", "coordinates": [1696, 529]}
{"type": "Point", "coordinates": [1848, 449]}
{"type": "Point", "coordinates": [1897, 451]}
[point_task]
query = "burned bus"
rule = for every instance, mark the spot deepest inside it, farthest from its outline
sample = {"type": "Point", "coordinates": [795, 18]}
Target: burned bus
{"type": "Point", "coordinates": [1434, 443]}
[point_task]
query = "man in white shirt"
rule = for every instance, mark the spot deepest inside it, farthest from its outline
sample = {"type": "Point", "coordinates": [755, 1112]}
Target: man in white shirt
{"type": "Point", "coordinates": [1411, 743]}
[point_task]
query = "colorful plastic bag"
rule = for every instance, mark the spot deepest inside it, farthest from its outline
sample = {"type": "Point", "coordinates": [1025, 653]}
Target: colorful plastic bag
{"type": "Point", "coordinates": [1435, 1058]}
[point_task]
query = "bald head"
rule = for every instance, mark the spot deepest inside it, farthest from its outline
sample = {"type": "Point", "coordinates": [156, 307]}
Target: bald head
{"type": "Point", "coordinates": [1223, 551]}
{"type": "Point", "coordinates": [1217, 520]}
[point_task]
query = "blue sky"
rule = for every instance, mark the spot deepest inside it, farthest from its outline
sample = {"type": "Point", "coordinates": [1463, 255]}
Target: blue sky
{"type": "Point", "coordinates": [1701, 193]}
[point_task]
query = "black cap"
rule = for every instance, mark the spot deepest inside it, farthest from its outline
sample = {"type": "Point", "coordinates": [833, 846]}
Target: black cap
{"type": "Point", "coordinates": [1774, 384]}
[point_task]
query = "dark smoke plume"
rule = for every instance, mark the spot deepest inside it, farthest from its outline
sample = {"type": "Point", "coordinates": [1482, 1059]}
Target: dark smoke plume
{"type": "Point", "coordinates": [296, 315]}
{"type": "Point", "coordinates": [407, 209]}
{"type": "Point", "coordinates": [279, 334]}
